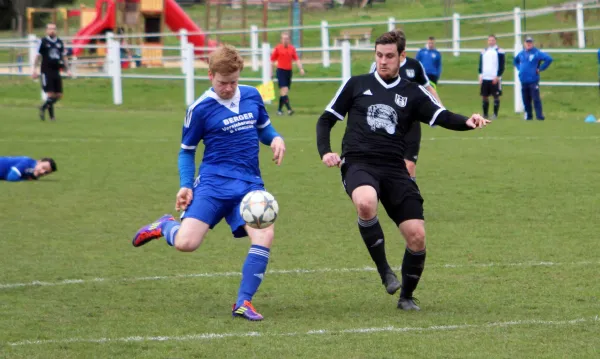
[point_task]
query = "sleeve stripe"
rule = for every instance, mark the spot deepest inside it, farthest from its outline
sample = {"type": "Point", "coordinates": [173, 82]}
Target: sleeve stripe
{"type": "Point", "coordinates": [16, 170]}
{"type": "Point", "coordinates": [186, 147]}
{"type": "Point", "coordinates": [435, 115]}
{"type": "Point", "coordinates": [329, 107]}
{"type": "Point", "coordinates": [433, 99]}
{"type": "Point", "coordinates": [264, 124]}
{"type": "Point", "coordinates": [330, 110]}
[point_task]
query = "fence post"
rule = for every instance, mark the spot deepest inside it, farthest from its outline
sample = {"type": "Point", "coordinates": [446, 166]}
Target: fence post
{"type": "Point", "coordinates": [188, 61]}
{"type": "Point", "coordinates": [266, 64]}
{"type": "Point", "coordinates": [183, 41]}
{"type": "Point", "coordinates": [325, 43]}
{"type": "Point", "coordinates": [391, 23]}
{"type": "Point", "coordinates": [580, 26]}
{"type": "Point", "coordinates": [517, 24]}
{"type": "Point", "coordinates": [456, 34]}
{"type": "Point", "coordinates": [32, 41]}
{"type": "Point", "coordinates": [517, 48]}
{"type": "Point", "coordinates": [254, 46]}
{"type": "Point", "coordinates": [107, 60]}
{"type": "Point", "coordinates": [114, 54]}
{"type": "Point", "coordinates": [346, 61]}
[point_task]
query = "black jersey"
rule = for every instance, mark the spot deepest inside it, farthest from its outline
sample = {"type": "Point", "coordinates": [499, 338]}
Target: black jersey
{"type": "Point", "coordinates": [411, 70]}
{"type": "Point", "coordinates": [379, 115]}
{"type": "Point", "coordinates": [52, 51]}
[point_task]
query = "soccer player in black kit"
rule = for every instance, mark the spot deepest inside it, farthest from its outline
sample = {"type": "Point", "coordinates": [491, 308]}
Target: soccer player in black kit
{"type": "Point", "coordinates": [53, 54]}
{"type": "Point", "coordinates": [381, 107]}
{"type": "Point", "coordinates": [412, 70]}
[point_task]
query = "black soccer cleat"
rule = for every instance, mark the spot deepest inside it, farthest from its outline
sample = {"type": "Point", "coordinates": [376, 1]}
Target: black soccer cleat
{"type": "Point", "coordinates": [290, 112]}
{"type": "Point", "coordinates": [391, 282]}
{"type": "Point", "coordinates": [42, 113]}
{"type": "Point", "coordinates": [408, 304]}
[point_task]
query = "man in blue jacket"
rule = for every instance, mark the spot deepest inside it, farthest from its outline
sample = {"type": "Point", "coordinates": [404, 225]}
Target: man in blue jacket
{"type": "Point", "coordinates": [431, 60]}
{"type": "Point", "coordinates": [530, 62]}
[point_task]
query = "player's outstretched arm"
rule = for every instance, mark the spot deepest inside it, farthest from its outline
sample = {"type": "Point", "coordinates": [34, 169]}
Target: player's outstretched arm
{"type": "Point", "coordinates": [456, 122]}
{"type": "Point", "coordinates": [324, 126]}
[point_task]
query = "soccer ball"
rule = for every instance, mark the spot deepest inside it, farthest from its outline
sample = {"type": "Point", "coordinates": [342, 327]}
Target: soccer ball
{"type": "Point", "coordinates": [259, 209]}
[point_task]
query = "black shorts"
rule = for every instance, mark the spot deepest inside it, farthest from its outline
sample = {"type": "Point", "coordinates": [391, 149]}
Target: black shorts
{"type": "Point", "coordinates": [412, 139]}
{"type": "Point", "coordinates": [284, 78]}
{"type": "Point", "coordinates": [489, 89]}
{"type": "Point", "coordinates": [433, 78]}
{"type": "Point", "coordinates": [398, 194]}
{"type": "Point", "coordinates": [51, 82]}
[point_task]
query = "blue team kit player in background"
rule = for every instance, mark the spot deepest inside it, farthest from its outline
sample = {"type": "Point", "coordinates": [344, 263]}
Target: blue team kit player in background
{"type": "Point", "coordinates": [530, 62]}
{"type": "Point", "coordinates": [431, 60]}
{"type": "Point", "coordinates": [230, 119]}
{"type": "Point", "coordinates": [25, 168]}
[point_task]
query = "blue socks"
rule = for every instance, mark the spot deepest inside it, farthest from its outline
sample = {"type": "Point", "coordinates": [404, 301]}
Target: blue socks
{"type": "Point", "coordinates": [253, 271]}
{"type": "Point", "coordinates": [169, 230]}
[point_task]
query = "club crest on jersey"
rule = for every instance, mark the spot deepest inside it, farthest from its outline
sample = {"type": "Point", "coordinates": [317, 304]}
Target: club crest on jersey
{"type": "Point", "coordinates": [400, 100]}
{"type": "Point", "coordinates": [382, 116]}
{"type": "Point", "coordinates": [410, 73]}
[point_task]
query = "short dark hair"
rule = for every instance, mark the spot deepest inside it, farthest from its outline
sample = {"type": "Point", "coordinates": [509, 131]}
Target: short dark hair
{"type": "Point", "coordinates": [431, 38]}
{"type": "Point", "coordinates": [51, 162]}
{"type": "Point", "coordinates": [492, 35]}
{"type": "Point", "coordinates": [392, 37]}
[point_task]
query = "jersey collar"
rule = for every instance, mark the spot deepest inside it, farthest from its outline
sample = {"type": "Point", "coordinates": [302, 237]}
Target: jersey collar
{"type": "Point", "coordinates": [51, 39]}
{"type": "Point", "coordinates": [403, 62]}
{"type": "Point", "coordinates": [232, 104]}
{"type": "Point", "coordinates": [387, 86]}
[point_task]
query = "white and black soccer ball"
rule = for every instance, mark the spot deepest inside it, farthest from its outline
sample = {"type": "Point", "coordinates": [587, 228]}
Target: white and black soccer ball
{"type": "Point", "coordinates": [259, 209]}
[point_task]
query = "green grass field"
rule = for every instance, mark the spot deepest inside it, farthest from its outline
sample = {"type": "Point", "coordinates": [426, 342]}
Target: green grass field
{"type": "Point", "coordinates": [512, 267]}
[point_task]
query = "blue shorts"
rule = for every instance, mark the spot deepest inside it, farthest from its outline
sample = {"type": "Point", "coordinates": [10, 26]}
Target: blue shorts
{"type": "Point", "coordinates": [217, 197]}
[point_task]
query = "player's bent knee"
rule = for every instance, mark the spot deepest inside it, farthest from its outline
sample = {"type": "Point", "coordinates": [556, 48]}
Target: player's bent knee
{"type": "Point", "coordinates": [414, 233]}
{"type": "Point", "coordinates": [365, 201]}
{"type": "Point", "coordinates": [191, 235]}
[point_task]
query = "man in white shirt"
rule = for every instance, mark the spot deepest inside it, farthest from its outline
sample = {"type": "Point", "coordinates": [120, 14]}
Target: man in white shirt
{"type": "Point", "coordinates": [491, 68]}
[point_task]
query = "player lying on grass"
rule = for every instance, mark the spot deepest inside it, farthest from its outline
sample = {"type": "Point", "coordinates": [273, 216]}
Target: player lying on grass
{"type": "Point", "coordinates": [25, 168]}
{"type": "Point", "coordinates": [230, 119]}
{"type": "Point", "coordinates": [381, 108]}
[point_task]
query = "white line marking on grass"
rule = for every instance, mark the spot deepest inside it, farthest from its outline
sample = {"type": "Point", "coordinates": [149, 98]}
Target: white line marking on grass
{"type": "Point", "coordinates": [291, 139]}
{"type": "Point", "coordinates": [38, 283]}
{"type": "Point", "coordinates": [388, 329]}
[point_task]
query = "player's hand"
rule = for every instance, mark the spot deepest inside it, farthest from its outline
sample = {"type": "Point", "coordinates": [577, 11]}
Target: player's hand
{"type": "Point", "coordinates": [495, 80]}
{"type": "Point", "coordinates": [278, 147]}
{"type": "Point", "coordinates": [477, 121]}
{"type": "Point", "coordinates": [69, 73]}
{"type": "Point", "coordinates": [332, 159]}
{"type": "Point", "coordinates": [302, 72]}
{"type": "Point", "coordinates": [184, 198]}
{"type": "Point", "coordinates": [480, 80]}
{"type": "Point", "coordinates": [35, 75]}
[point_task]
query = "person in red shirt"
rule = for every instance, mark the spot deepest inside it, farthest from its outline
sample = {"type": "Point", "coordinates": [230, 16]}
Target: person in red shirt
{"type": "Point", "coordinates": [284, 54]}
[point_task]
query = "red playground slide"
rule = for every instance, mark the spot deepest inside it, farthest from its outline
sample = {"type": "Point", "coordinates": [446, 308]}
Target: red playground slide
{"type": "Point", "coordinates": [99, 24]}
{"type": "Point", "coordinates": [176, 19]}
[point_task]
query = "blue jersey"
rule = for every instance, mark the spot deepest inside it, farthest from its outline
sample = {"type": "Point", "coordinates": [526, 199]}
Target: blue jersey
{"type": "Point", "coordinates": [17, 168]}
{"type": "Point", "coordinates": [529, 62]}
{"type": "Point", "coordinates": [230, 132]}
{"type": "Point", "coordinates": [431, 60]}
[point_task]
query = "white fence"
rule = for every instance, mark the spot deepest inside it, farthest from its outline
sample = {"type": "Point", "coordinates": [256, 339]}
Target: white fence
{"type": "Point", "coordinates": [260, 56]}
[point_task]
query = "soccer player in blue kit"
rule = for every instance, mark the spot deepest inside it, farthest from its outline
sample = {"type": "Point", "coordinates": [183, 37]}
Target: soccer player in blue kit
{"type": "Point", "coordinates": [22, 168]}
{"type": "Point", "coordinates": [231, 119]}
